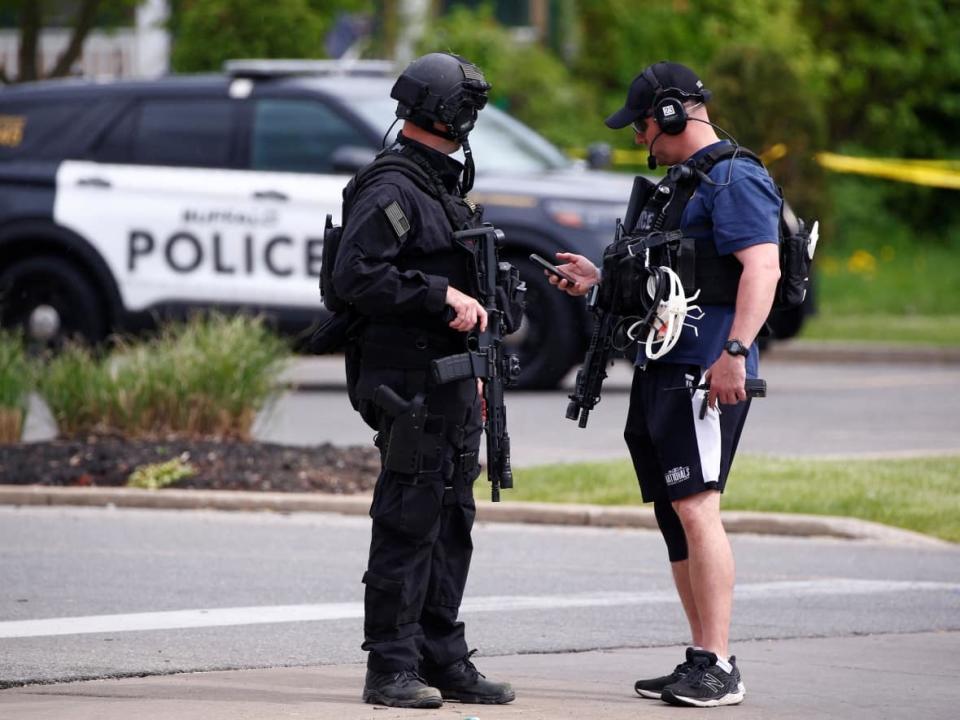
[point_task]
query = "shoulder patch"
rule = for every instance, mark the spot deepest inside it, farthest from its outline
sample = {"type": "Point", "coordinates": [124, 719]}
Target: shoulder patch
{"type": "Point", "coordinates": [399, 222]}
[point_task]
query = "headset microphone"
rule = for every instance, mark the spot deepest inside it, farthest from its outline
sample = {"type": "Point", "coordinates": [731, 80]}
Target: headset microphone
{"type": "Point", "coordinates": [651, 160]}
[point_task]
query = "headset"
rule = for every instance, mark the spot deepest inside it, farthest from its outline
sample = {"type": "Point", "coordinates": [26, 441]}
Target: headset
{"type": "Point", "coordinates": [672, 117]}
{"type": "Point", "coordinates": [667, 109]}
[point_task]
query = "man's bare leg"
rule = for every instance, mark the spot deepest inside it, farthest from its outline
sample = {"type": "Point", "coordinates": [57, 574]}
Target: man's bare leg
{"type": "Point", "coordinates": [681, 578]}
{"type": "Point", "coordinates": [710, 568]}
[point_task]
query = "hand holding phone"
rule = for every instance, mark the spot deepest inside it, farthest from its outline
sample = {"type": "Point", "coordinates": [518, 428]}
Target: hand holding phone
{"type": "Point", "coordinates": [552, 269]}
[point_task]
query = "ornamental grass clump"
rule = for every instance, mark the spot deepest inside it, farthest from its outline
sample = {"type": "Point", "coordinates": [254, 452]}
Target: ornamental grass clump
{"type": "Point", "coordinates": [205, 378]}
{"type": "Point", "coordinates": [16, 382]}
{"type": "Point", "coordinates": [77, 387]}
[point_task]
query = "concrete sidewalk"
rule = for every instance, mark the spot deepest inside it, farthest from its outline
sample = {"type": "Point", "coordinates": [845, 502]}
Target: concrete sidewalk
{"type": "Point", "coordinates": [884, 676]}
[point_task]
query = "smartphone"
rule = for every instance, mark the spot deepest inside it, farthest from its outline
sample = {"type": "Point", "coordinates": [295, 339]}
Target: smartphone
{"type": "Point", "coordinates": [552, 269]}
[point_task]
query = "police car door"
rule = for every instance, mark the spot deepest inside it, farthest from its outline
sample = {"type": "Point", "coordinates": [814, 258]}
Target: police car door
{"type": "Point", "coordinates": [169, 203]}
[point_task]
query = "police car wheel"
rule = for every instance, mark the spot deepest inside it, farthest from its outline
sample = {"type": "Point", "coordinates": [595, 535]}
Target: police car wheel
{"type": "Point", "coordinates": [50, 301]}
{"type": "Point", "coordinates": [545, 341]}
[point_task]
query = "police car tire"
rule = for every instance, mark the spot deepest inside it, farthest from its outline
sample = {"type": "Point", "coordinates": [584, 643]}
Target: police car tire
{"type": "Point", "coordinates": [50, 280]}
{"type": "Point", "coordinates": [549, 346]}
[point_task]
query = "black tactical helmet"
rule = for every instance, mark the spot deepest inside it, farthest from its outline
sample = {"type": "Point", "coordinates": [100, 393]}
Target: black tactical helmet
{"type": "Point", "coordinates": [444, 88]}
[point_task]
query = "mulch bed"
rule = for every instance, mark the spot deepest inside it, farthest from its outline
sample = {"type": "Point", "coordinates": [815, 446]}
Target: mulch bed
{"type": "Point", "coordinates": [220, 464]}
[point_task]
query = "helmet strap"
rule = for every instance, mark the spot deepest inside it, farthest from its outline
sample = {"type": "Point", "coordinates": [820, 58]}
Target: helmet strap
{"type": "Point", "coordinates": [469, 170]}
{"type": "Point", "coordinates": [426, 123]}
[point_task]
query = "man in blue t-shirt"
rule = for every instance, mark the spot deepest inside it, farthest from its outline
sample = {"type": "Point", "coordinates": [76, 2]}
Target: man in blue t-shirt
{"type": "Point", "coordinates": [682, 455]}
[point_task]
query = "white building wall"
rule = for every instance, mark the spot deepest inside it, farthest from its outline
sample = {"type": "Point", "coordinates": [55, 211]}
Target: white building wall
{"type": "Point", "coordinates": [142, 51]}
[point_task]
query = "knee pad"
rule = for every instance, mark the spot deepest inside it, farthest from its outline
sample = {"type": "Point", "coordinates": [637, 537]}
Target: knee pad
{"type": "Point", "coordinates": [671, 529]}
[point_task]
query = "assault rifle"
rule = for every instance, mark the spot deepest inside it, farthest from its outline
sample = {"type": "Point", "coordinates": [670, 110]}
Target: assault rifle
{"type": "Point", "coordinates": [590, 377]}
{"type": "Point", "coordinates": [486, 357]}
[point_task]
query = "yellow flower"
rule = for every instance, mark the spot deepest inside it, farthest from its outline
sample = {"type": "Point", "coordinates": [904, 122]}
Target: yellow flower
{"type": "Point", "coordinates": [862, 262]}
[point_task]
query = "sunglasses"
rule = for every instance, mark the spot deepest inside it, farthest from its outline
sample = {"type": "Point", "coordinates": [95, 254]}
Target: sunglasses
{"type": "Point", "coordinates": [639, 126]}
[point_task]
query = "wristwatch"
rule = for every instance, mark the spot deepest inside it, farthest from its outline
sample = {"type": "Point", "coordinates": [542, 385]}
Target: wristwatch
{"type": "Point", "coordinates": [735, 347]}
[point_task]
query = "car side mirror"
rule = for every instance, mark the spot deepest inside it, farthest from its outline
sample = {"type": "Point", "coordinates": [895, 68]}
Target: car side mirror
{"type": "Point", "coordinates": [599, 155]}
{"type": "Point", "coordinates": [348, 159]}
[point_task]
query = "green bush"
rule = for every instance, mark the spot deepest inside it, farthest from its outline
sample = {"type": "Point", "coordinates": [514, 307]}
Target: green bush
{"type": "Point", "coordinates": [16, 382]}
{"type": "Point", "coordinates": [207, 377]}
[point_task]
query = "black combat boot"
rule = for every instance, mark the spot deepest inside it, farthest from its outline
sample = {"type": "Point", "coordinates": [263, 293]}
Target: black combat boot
{"type": "Point", "coordinates": [400, 689]}
{"type": "Point", "coordinates": [460, 680]}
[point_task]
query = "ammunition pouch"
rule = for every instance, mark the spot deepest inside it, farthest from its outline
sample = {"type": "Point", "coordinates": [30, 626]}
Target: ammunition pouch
{"type": "Point", "coordinates": [328, 257]}
{"type": "Point", "coordinates": [467, 466]}
{"type": "Point", "coordinates": [511, 296]}
{"type": "Point", "coordinates": [625, 287]}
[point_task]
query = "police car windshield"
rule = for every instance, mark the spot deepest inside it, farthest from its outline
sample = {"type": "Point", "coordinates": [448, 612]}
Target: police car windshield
{"type": "Point", "coordinates": [499, 142]}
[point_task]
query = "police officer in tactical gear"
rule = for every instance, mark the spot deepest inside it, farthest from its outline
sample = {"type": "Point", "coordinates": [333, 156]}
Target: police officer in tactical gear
{"type": "Point", "coordinates": [414, 291]}
{"type": "Point", "coordinates": [682, 446]}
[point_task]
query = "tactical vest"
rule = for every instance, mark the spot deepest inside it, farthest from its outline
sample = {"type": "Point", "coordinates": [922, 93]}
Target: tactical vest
{"type": "Point", "coordinates": [460, 213]}
{"type": "Point", "coordinates": [695, 260]}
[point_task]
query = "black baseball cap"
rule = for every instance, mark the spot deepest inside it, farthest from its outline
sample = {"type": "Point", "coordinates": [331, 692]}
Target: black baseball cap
{"type": "Point", "coordinates": [674, 79]}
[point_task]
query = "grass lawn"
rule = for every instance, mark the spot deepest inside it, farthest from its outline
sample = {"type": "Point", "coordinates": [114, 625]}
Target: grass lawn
{"type": "Point", "coordinates": [930, 330]}
{"type": "Point", "coordinates": [890, 296]}
{"type": "Point", "coordinates": [921, 494]}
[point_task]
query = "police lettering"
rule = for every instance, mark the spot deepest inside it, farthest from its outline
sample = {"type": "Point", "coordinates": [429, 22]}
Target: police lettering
{"type": "Point", "coordinates": [186, 252]}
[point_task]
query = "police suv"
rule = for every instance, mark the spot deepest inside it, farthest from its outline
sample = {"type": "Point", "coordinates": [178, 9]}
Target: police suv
{"type": "Point", "coordinates": [124, 202]}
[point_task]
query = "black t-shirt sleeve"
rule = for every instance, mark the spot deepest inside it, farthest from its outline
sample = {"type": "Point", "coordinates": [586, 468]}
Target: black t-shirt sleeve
{"type": "Point", "coordinates": [365, 273]}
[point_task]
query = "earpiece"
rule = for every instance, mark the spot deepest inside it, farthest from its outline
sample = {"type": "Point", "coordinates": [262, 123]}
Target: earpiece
{"type": "Point", "coordinates": [667, 108]}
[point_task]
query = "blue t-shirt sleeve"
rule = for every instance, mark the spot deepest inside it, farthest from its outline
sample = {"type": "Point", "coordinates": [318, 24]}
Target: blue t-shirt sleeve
{"type": "Point", "coordinates": [746, 212]}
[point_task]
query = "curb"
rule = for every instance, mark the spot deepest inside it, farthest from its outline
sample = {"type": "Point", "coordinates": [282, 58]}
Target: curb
{"type": "Point", "coordinates": [843, 351]}
{"type": "Point", "coordinates": [521, 512]}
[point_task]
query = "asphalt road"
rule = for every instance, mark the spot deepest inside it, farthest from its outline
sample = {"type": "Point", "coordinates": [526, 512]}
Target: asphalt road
{"type": "Point", "coordinates": [834, 409]}
{"type": "Point", "coordinates": [102, 593]}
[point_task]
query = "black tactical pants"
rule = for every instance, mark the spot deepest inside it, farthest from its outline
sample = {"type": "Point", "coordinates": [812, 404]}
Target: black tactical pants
{"type": "Point", "coordinates": [420, 547]}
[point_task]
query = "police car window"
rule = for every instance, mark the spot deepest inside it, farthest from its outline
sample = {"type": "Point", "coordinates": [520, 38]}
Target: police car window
{"type": "Point", "coordinates": [499, 142]}
{"type": "Point", "coordinates": [115, 144]}
{"type": "Point", "coordinates": [184, 132]}
{"type": "Point", "coordinates": [298, 136]}
{"type": "Point", "coordinates": [32, 128]}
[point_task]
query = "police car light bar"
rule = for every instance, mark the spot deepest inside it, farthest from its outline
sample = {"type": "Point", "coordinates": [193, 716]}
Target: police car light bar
{"type": "Point", "coordinates": [279, 68]}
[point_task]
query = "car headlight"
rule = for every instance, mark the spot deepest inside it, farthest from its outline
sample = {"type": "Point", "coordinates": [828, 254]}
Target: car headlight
{"type": "Point", "coordinates": [583, 215]}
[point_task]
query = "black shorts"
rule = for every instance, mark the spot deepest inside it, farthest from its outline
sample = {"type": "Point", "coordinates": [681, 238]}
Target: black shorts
{"type": "Point", "coordinates": [674, 452]}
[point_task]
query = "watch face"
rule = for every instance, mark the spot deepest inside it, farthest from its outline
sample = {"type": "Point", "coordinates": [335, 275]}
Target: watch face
{"type": "Point", "coordinates": [735, 347]}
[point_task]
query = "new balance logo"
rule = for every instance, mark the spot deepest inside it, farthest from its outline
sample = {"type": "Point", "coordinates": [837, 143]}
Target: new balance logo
{"type": "Point", "coordinates": [712, 682]}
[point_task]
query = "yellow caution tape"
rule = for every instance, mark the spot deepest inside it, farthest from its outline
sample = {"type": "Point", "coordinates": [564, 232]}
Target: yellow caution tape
{"type": "Point", "coordinates": [934, 173]}
{"type": "Point", "coordinates": [620, 156]}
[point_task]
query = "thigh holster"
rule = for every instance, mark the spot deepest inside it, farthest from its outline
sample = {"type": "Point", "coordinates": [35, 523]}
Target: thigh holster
{"type": "Point", "coordinates": [415, 442]}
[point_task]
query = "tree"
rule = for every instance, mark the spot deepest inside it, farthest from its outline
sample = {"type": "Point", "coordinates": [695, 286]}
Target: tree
{"type": "Point", "coordinates": [82, 16]}
{"type": "Point", "coordinates": [207, 32]}
{"type": "Point", "coordinates": [769, 83]}
{"type": "Point", "coordinates": [528, 80]}
{"type": "Point", "coordinates": [895, 93]}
